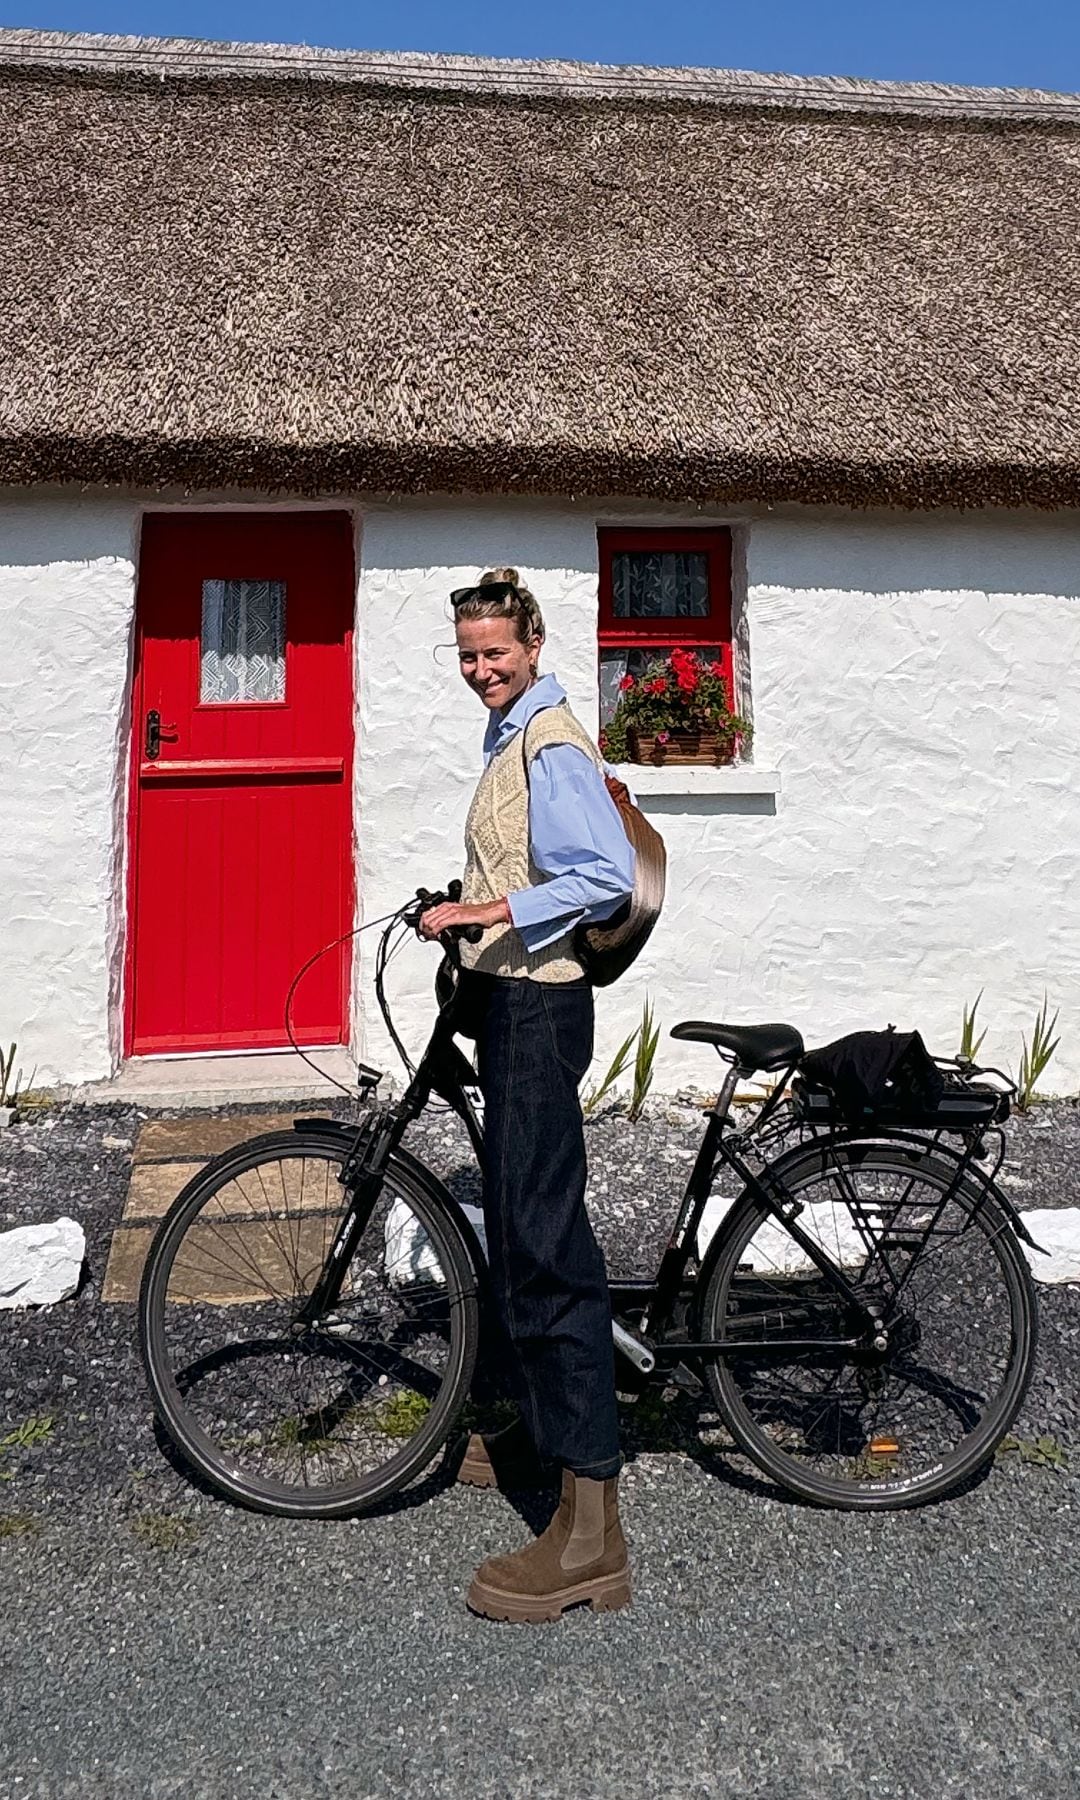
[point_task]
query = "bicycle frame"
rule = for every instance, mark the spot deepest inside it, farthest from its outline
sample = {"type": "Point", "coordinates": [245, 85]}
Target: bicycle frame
{"type": "Point", "coordinates": [444, 1071]}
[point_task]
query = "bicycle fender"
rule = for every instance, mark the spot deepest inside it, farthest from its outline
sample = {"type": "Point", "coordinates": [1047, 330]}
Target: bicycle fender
{"type": "Point", "coordinates": [811, 1152]}
{"type": "Point", "coordinates": [411, 1169]}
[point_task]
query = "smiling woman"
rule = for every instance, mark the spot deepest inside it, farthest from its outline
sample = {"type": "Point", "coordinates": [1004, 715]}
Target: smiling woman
{"type": "Point", "coordinates": [545, 850]}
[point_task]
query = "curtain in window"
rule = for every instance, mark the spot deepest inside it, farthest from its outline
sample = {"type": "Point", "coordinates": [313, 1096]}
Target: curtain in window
{"type": "Point", "coordinates": [243, 641]}
{"type": "Point", "coordinates": [660, 584]}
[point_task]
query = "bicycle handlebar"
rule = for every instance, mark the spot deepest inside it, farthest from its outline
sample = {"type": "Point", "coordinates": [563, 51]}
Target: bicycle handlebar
{"type": "Point", "coordinates": [471, 933]}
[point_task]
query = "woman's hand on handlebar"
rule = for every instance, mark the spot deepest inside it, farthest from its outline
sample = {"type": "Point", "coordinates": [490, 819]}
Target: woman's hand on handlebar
{"type": "Point", "coordinates": [451, 917]}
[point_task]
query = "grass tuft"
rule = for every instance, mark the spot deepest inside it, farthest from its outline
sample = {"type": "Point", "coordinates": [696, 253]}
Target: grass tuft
{"type": "Point", "coordinates": [648, 1037]}
{"type": "Point", "coordinates": [37, 1429]}
{"type": "Point", "coordinates": [1043, 1452]}
{"type": "Point", "coordinates": [970, 1045]}
{"type": "Point", "coordinates": [402, 1414]}
{"type": "Point", "coordinates": [164, 1531]}
{"type": "Point", "coordinates": [620, 1062]}
{"type": "Point", "coordinates": [14, 1525]}
{"type": "Point", "coordinates": [1036, 1055]}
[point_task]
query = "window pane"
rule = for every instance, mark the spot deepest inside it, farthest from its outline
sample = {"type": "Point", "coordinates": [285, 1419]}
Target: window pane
{"type": "Point", "coordinates": [243, 641]}
{"type": "Point", "coordinates": [660, 584]}
{"type": "Point", "coordinates": [615, 662]}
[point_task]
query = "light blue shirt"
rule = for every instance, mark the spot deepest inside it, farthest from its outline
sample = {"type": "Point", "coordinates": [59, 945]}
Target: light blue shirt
{"type": "Point", "coordinates": [575, 833]}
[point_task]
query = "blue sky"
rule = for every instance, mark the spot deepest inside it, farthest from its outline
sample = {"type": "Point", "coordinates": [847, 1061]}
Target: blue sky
{"type": "Point", "coordinates": [1016, 43]}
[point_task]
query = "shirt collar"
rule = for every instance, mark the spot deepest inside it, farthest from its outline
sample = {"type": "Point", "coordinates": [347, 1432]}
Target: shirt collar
{"type": "Point", "coordinates": [501, 727]}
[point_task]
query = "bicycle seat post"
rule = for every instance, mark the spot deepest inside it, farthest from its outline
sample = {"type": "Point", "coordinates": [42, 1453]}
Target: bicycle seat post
{"type": "Point", "coordinates": [727, 1093]}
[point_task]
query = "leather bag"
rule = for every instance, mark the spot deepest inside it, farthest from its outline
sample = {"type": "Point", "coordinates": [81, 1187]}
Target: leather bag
{"type": "Point", "coordinates": [607, 949]}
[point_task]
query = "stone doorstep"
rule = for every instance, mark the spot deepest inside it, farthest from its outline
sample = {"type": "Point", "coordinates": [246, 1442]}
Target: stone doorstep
{"type": "Point", "coordinates": [127, 1254]}
{"type": "Point", "coordinates": [167, 1153]}
{"type": "Point", "coordinates": [195, 1083]}
{"type": "Point", "coordinates": [154, 1187]}
{"type": "Point", "coordinates": [197, 1140]}
{"type": "Point", "coordinates": [203, 1276]}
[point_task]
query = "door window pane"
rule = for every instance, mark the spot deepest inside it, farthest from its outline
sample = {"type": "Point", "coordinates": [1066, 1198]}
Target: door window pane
{"type": "Point", "coordinates": [243, 641]}
{"type": "Point", "coordinates": [660, 584]}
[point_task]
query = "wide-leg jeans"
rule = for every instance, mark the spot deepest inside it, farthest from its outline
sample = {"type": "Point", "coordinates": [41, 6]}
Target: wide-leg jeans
{"type": "Point", "coordinates": [548, 1281]}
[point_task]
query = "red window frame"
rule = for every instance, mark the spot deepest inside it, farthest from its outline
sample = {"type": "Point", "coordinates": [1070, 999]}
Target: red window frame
{"type": "Point", "coordinates": [714, 628]}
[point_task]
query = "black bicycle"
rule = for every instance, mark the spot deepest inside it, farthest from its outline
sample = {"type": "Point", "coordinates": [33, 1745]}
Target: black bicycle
{"type": "Point", "coordinates": [862, 1316]}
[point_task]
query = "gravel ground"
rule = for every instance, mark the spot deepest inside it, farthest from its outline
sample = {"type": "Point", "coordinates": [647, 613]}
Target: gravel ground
{"type": "Point", "coordinates": [159, 1643]}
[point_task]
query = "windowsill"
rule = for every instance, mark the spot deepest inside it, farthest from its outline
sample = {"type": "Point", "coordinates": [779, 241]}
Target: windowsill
{"type": "Point", "coordinates": [644, 778]}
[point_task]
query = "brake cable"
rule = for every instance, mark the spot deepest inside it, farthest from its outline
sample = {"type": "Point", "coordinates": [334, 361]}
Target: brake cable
{"type": "Point", "coordinates": [336, 943]}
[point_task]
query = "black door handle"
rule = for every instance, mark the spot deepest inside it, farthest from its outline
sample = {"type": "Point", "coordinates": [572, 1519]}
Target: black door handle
{"type": "Point", "coordinates": [155, 736]}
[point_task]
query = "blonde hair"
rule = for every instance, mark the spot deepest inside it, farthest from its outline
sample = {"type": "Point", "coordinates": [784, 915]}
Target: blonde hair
{"type": "Point", "coordinates": [520, 607]}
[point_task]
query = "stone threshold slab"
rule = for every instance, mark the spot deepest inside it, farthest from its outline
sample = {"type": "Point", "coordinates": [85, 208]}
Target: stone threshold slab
{"type": "Point", "coordinates": [193, 1083]}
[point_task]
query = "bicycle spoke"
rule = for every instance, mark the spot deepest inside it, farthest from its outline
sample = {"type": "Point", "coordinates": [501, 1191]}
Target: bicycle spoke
{"type": "Point", "coordinates": [317, 1406]}
{"type": "Point", "coordinates": [907, 1398]}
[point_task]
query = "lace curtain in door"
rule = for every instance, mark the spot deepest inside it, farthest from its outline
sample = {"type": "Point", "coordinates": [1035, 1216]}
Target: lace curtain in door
{"type": "Point", "coordinates": [243, 641]}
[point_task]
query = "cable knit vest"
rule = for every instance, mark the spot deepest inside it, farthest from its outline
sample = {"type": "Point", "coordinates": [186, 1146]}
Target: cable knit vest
{"type": "Point", "coordinates": [497, 854]}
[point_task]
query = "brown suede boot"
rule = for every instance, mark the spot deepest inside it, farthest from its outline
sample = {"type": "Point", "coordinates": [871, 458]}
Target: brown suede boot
{"type": "Point", "coordinates": [502, 1459]}
{"type": "Point", "coordinates": [580, 1557]}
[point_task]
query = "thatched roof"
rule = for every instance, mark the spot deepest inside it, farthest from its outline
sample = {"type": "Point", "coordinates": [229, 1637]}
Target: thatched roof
{"type": "Point", "coordinates": [274, 267]}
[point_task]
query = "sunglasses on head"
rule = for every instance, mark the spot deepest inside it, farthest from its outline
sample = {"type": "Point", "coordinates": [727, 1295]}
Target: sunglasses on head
{"type": "Point", "coordinates": [487, 590]}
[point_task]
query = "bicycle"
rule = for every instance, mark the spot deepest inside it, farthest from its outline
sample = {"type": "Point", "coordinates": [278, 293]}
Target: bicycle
{"type": "Point", "coordinates": [863, 1317]}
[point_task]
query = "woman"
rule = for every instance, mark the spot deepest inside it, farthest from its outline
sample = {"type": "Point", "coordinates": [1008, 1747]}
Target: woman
{"type": "Point", "coordinates": [545, 850]}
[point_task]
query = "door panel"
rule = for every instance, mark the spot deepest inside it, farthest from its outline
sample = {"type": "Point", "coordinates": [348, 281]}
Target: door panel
{"type": "Point", "coordinates": [242, 852]}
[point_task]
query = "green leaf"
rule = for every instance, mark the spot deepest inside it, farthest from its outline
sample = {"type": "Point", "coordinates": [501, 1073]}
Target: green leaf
{"type": "Point", "coordinates": [620, 1062]}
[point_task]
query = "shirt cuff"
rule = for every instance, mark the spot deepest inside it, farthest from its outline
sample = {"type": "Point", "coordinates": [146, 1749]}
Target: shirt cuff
{"type": "Point", "coordinates": [533, 921]}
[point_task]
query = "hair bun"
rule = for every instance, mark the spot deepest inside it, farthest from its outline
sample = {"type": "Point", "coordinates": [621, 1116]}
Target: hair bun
{"type": "Point", "coordinates": [510, 575]}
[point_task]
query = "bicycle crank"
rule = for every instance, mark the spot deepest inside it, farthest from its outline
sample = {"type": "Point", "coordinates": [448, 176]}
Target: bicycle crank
{"type": "Point", "coordinates": [639, 1355]}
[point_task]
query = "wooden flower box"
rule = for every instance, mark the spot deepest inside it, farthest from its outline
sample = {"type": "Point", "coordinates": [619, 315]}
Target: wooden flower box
{"type": "Point", "coordinates": [682, 747]}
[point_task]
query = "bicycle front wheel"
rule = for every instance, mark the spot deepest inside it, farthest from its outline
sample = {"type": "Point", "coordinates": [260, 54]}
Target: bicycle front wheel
{"type": "Point", "coordinates": [312, 1421]}
{"type": "Point", "coordinates": [872, 1426]}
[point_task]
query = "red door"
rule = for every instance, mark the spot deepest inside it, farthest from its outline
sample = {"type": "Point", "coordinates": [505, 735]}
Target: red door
{"type": "Point", "coordinates": [242, 748]}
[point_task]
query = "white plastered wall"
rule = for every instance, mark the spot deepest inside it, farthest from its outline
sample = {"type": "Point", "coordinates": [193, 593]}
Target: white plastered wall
{"type": "Point", "coordinates": [67, 592]}
{"type": "Point", "coordinates": [916, 682]}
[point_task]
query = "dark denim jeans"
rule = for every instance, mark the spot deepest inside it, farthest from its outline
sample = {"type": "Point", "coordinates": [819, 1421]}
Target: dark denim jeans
{"type": "Point", "coordinates": [548, 1280]}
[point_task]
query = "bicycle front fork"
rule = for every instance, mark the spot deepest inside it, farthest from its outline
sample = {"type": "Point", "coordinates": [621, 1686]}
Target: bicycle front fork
{"type": "Point", "coordinates": [362, 1177]}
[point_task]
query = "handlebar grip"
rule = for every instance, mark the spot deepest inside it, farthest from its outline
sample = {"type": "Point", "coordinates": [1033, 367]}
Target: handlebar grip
{"type": "Point", "coordinates": [472, 933]}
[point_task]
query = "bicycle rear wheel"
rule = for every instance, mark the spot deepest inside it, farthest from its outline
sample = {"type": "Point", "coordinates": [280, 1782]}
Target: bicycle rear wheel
{"type": "Point", "coordinates": [315, 1421]}
{"type": "Point", "coordinates": [872, 1428]}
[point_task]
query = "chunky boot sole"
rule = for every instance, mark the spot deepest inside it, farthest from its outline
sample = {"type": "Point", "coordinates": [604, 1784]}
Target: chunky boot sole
{"type": "Point", "coordinates": [604, 1593]}
{"type": "Point", "coordinates": [477, 1470]}
{"type": "Point", "coordinates": [477, 1473]}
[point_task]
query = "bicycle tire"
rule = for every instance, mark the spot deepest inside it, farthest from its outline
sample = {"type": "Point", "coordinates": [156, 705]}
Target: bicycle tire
{"type": "Point", "coordinates": [217, 1463]}
{"type": "Point", "coordinates": [869, 1487]}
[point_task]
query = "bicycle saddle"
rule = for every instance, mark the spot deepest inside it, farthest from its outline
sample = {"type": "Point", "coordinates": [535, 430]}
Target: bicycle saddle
{"type": "Point", "coordinates": [753, 1046]}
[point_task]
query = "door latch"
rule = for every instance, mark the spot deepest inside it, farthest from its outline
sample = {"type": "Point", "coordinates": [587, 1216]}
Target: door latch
{"type": "Point", "coordinates": [155, 736]}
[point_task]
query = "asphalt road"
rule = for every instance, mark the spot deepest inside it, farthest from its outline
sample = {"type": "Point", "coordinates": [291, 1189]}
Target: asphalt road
{"type": "Point", "coordinates": [771, 1651]}
{"type": "Point", "coordinates": [157, 1643]}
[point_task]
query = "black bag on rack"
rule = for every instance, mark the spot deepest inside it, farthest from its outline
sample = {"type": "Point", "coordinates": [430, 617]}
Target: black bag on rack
{"type": "Point", "coordinates": [871, 1071]}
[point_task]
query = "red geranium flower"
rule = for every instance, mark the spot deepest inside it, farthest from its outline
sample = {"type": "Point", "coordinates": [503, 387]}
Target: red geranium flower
{"type": "Point", "coordinates": [687, 670]}
{"type": "Point", "coordinates": [658, 686]}
{"type": "Point", "coordinates": [626, 684]}
{"type": "Point", "coordinates": [717, 669]}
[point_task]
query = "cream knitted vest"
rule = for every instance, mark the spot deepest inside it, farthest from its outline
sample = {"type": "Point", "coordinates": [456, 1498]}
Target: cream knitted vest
{"type": "Point", "coordinates": [497, 854]}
